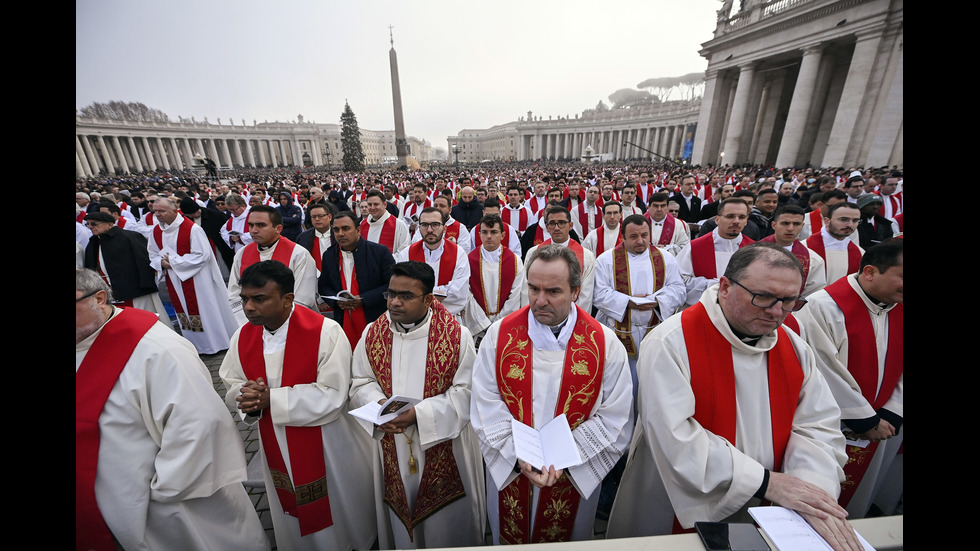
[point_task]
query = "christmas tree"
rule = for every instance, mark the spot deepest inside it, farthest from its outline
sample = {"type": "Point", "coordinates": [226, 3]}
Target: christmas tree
{"type": "Point", "coordinates": [350, 138]}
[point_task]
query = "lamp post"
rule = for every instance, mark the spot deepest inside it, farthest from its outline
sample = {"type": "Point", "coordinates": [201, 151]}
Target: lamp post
{"type": "Point", "coordinates": [456, 153]}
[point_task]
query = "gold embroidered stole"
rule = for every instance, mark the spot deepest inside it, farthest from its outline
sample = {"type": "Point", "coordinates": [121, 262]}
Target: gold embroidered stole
{"type": "Point", "coordinates": [441, 483]}
{"type": "Point", "coordinates": [581, 381]}
{"type": "Point", "coordinates": [621, 279]}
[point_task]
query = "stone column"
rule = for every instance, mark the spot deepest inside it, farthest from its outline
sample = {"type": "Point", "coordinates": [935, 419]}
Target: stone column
{"type": "Point", "coordinates": [214, 152]}
{"type": "Point", "coordinates": [248, 153]}
{"type": "Point", "coordinates": [79, 167]}
{"type": "Point", "coordinates": [258, 146]}
{"type": "Point", "coordinates": [178, 162]}
{"type": "Point", "coordinates": [82, 158]}
{"type": "Point", "coordinates": [148, 154]}
{"type": "Point", "coordinates": [105, 156]}
{"type": "Point", "coordinates": [188, 156]}
{"type": "Point", "coordinates": [238, 152]}
{"type": "Point", "coordinates": [538, 146]}
{"type": "Point", "coordinates": [93, 163]}
{"type": "Point", "coordinates": [298, 153]}
{"type": "Point", "coordinates": [134, 154]}
{"type": "Point", "coordinates": [840, 150]}
{"type": "Point", "coordinates": [225, 151]}
{"type": "Point", "coordinates": [162, 152]}
{"type": "Point", "coordinates": [734, 152]}
{"type": "Point", "coordinates": [799, 108]}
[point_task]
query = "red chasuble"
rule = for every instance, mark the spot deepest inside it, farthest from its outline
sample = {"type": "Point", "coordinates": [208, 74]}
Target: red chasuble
{"type": "Point", "coordinates": [621, 279]}
{"type": "Point", "coordinates": [283, 253]}
{"type": "Point", "coordinates": [703, 255]}
{"type": "Point", "coordinates": [815, 244]}
{"type": "Point", "coordinates": [441, 483]}
{"type": "Point", "coordinates": [304, 495]}
{"type": "Point", "coordinates": [190, 319]}
{"type": "Point", "coordinates": [387, 237]}
{"type": "Point", "coordinates": [581, 384]}
{"type": "Point", "coordinates": [94, 380]}
{"type": "Point", "coordinates": [447, 262]}
{"type": "Point", "coordinates": [506, 274]}
{"type": "Point", "coordinates": [862, 364]}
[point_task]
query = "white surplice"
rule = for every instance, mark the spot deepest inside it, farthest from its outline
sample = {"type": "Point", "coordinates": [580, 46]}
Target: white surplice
{"type": "Point", "coordinates": [677, 467]}
{"type": "Point", "coordinates": [457, 290]}
{"type": "Point", "coordinates": [474, 318]}
{"type": "Point", "coordinates": [439, 418]}
{"type": "Point", "coordinates": [171, 462]}
{"type": "Point", "coordinates": [346, 450]}
{"type": "Point", "coordinates": [601, 439]}
{"type": "Point", "coordinates": [199, 266]}
{"type": "Point", "coordinates": [376, 227]}
{"type": "Point", "coordinates": [588, 276]}
{"type": "Point", "coordinates": [838, 256]}
{"type": "Point", "coordinates": [696, 284]}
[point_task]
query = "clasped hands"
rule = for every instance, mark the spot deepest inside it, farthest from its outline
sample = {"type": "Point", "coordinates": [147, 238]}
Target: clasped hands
{"type": "Point", "coordinates": [254, 396]}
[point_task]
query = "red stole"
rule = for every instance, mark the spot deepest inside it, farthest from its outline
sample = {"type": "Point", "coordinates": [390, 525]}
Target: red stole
{"type": "Point", "coordinates": [304, 495]}
{"type": "Point", "coordinates": [80, 217]}
{"type": "Point", "coordinates": [316, 252]}
{"type": "Point", "coordinates": [354, 320]}
{"type": "Point", "coordinates": [621, 279]}
{"type": "Point", "coordinates": [447, 262]}
{"type": "Point", "coordinates": [538, 234]}
{"type": "Point", "coordinates": [121, 222]}
{"type": "Point", "coordinates": [666, 234]}
{"type": "Point", "coordinates": [862, 364]}
{"type": "Point", "coordinates": [231, 220]}
{"type": "Point", "coordinates": [600, 239]}
{"type": "Point", "coordinates": [387, 237]}
{"type": "Point", "coordinates": [283, 253]}
{"type": "Point", "coordinates": [506, 274]}
{"type": "Point", "coordinates": [576, 248]}
{"type": "Point", "coordinates": [713, 381]}
{"type": "Point", "coordinates": [507, 214]}
{"type": "Point", "coordinates": [583, 218]}
{"type": "Point", "coordinates": [801, 253]}
{"type": "Point", "coordinates": [94, 380]}
{"type": "Point", "coordinates": [413, 208]}
{"type": "Point", "coordinates": [815, 243]}
{"type": "Point", "coordinates": [581, 383]}
{"type": "Point", "coordinates": [452, 231]}
{"type": "Point", "coordinates": [816, 221]}
{"type": "Point", "coordinates": [703, 255]}
{"type": "Point", "coordinates": [441, 483]}
{"type": "Point", "coordinates": [149, 219]}
{"type": "Point", "coordinates": [188, 313]}
{"type": "Point", "coordinates": [536, 203]}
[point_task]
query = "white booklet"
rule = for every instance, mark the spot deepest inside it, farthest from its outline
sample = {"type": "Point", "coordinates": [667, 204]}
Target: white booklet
{"type": "Point", "coordinates": [341, 296]}
{"type": "Point", "coordinates": [379, 414]}
{"type": "Point", "coordinates": [788, 531]}
{"type": "Point", "coordinates": [552, 445]}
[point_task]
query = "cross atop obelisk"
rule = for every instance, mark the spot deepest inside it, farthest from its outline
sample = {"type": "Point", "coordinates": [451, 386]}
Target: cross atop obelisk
{"type": "Point", "coordinates": [401, 144]}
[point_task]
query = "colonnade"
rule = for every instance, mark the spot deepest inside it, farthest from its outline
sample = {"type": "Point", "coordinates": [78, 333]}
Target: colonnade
{"type": "Point", "coordinates": [627, 143]}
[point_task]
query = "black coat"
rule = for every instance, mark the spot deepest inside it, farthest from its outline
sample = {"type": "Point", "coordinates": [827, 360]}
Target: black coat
{"type": "Point", "coordinates": [372, 265]}
{"type": "Point", "coordinates": [127, 262]}
{"type": "Point", "coordinates": [691, 215]}
{"type": "Point", "coordinates": [211, 222]}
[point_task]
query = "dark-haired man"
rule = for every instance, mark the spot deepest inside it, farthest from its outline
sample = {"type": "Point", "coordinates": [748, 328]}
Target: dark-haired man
{"type": "Point", "coordinates": [725, 387]}
{"type": "Point", "coordinates": [558, 222]}
{"type": "Point", "coordinates": [787, 223]}
{"type": "Point", "coordinates": [288, 369]}
{"type": "Point", "coordinates": [496, 277]}
{"type": "Point", "coordinates": [427, 460]}
{"type": "Point", "coordinates": [705, 259]}
{"type": "Point", "coordinates": [447, 259]}
{"type": "Point", "coordinates": [855, 327]}
{"type": "Point", "coordinates": [841, 255]}
{"type": "Point", "coordinates": [381, 227]}
{"type": "Point", "coordinates": [268, 243]}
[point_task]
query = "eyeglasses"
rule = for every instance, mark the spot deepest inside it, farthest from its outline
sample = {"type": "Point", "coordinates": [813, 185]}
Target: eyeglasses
{"type": "Point", "coordinates": [557, 223]}
{"type": "Point", "coordinates": [318, 216]}
{"type": "Point", "coordinates": [83, 297]}
{"type": "Point", "coordinates": [402, 297]}
{"type": "Point", "coordinates": [765, 300]}
{"type": "Point", "coordinates": [429, 225]}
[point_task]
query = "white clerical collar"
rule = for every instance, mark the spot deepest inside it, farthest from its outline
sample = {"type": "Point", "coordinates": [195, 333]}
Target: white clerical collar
{"type": "Point", "coordinates": [544, 339]}
{"type": "Point", "coordinates": [722, 244]}
{"type": "Point", "coordinates": [406, 328]}
{"type": "Point", "coordinates": [274, 341]}
{"type": "Point", "coordinates": [491, 256]}
{"type": "Point", "coordinates": [433, 255]}
{"type": "Point", "coordinates": [319, 235]}
{"type": "Point", "coordinates": [831, 243]}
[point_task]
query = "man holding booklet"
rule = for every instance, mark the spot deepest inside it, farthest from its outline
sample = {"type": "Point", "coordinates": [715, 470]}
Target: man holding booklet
{"type": "Point", "coordinates": [546, 361]}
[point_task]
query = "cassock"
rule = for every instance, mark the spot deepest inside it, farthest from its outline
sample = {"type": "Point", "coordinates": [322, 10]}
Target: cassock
{"type": "Point", "coordinates": [678, 467]}
{"type": "Point", "coordinates": [602, 438]}
{"type": "Point", "coordinates": [835, 339]}
{"type": "Point", "coordinates": [617, 281]}
{"type": "Point", "coordinates": [452, 270]}
{"type": "Point", "coordinates": [388, 230]}
{"type": "Point", "coordinates": [170, 460]}
{"type": "Point", "coordinates": [120, 258]}
{"type": "Point", "coordinates": [489, 283]}
{"type": "Point", "coordinates": [587, 260]}
{"type": "Point", "coordinates": [194, 281]}
{"type": "Point", "coordinates": [299, 261]}
{"type": "Point", "coordinates": [841, 256]}
{"type": "Point", "coordinates": [697, 282]}
{"type": "Point", "coordinates": [442, 431]}
{"type": "Point", "coordinates": [678, 239]}
{"type": "Point", "coordinates": [322, 403]}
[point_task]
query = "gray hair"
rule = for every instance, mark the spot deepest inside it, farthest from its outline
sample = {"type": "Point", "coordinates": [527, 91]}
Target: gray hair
{"type": "Point", "coordinates": [554, 251]}
{"type": "Point", "coordinates": [233, 199]}
{"type": "Point", "coordinates": [772, 254]}
{"type": "Point", "coordinates": [88, 281]}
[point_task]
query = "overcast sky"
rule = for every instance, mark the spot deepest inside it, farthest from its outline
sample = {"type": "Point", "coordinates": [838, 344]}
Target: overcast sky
{"type": "Point", "coordinates": [463, 64]}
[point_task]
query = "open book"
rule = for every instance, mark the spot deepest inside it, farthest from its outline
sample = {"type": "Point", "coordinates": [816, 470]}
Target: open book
{"type": "Point", "coordinates": [552, 445]}
{"type": "Point", "coordinates": [379, 414]}
{"type": "Point", "coordinates": [788, 531]}
{"type": "Point", "coordinates": [341, 296]}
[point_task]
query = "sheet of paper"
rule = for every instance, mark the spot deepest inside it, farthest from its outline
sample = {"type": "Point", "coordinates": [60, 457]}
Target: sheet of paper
{"type": "Point", "coordinates": [552, 445]}
{"type": "Point", "coordinates": [788, 531]}
{"type": "Point", "coordinates": [380, 414]}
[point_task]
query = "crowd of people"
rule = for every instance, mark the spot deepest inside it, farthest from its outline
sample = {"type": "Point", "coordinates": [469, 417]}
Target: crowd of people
{"type": "Point", "coordinates": [737, 329]}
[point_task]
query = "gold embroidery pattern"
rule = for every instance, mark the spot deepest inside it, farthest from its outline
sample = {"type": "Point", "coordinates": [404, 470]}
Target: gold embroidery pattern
{"type": "Point", "coordinates": [582, 352]}
{"type": "Point", "coordinates": [281, 480]}
{"type": "Point", "coordinates": [515, 523]}
{"type": "Point", "coordinates": [514, 359]}
{"type": "Point", "coordinates": [308, 493]}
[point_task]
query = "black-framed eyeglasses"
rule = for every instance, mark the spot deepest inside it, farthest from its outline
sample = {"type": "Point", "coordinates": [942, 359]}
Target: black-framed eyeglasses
{"type": "Point", "coordinates": [83, 297]}
{"type": "Point", "coordinates": [765, 300]}
{"type": "Point", "coordinates": [402, 297]}
{"type": "Point", "coordinates": [430, 225]}
{"type": "Point", "coordinates": [557, 223]}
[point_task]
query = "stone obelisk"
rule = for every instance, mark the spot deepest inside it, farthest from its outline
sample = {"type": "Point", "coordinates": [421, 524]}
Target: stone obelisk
{"type": "Point", "coordinates": [401, 144]}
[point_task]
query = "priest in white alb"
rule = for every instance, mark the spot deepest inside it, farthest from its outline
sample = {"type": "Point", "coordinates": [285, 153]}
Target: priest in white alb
{"type": "Point", "coordinates": [547, 359]}
{"type": "Point", "coordinates": [558, 222]}
{"type": "Point", "coordinates": [446, 258]}
{"type": "Point", "coordinates": [496, 278]}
